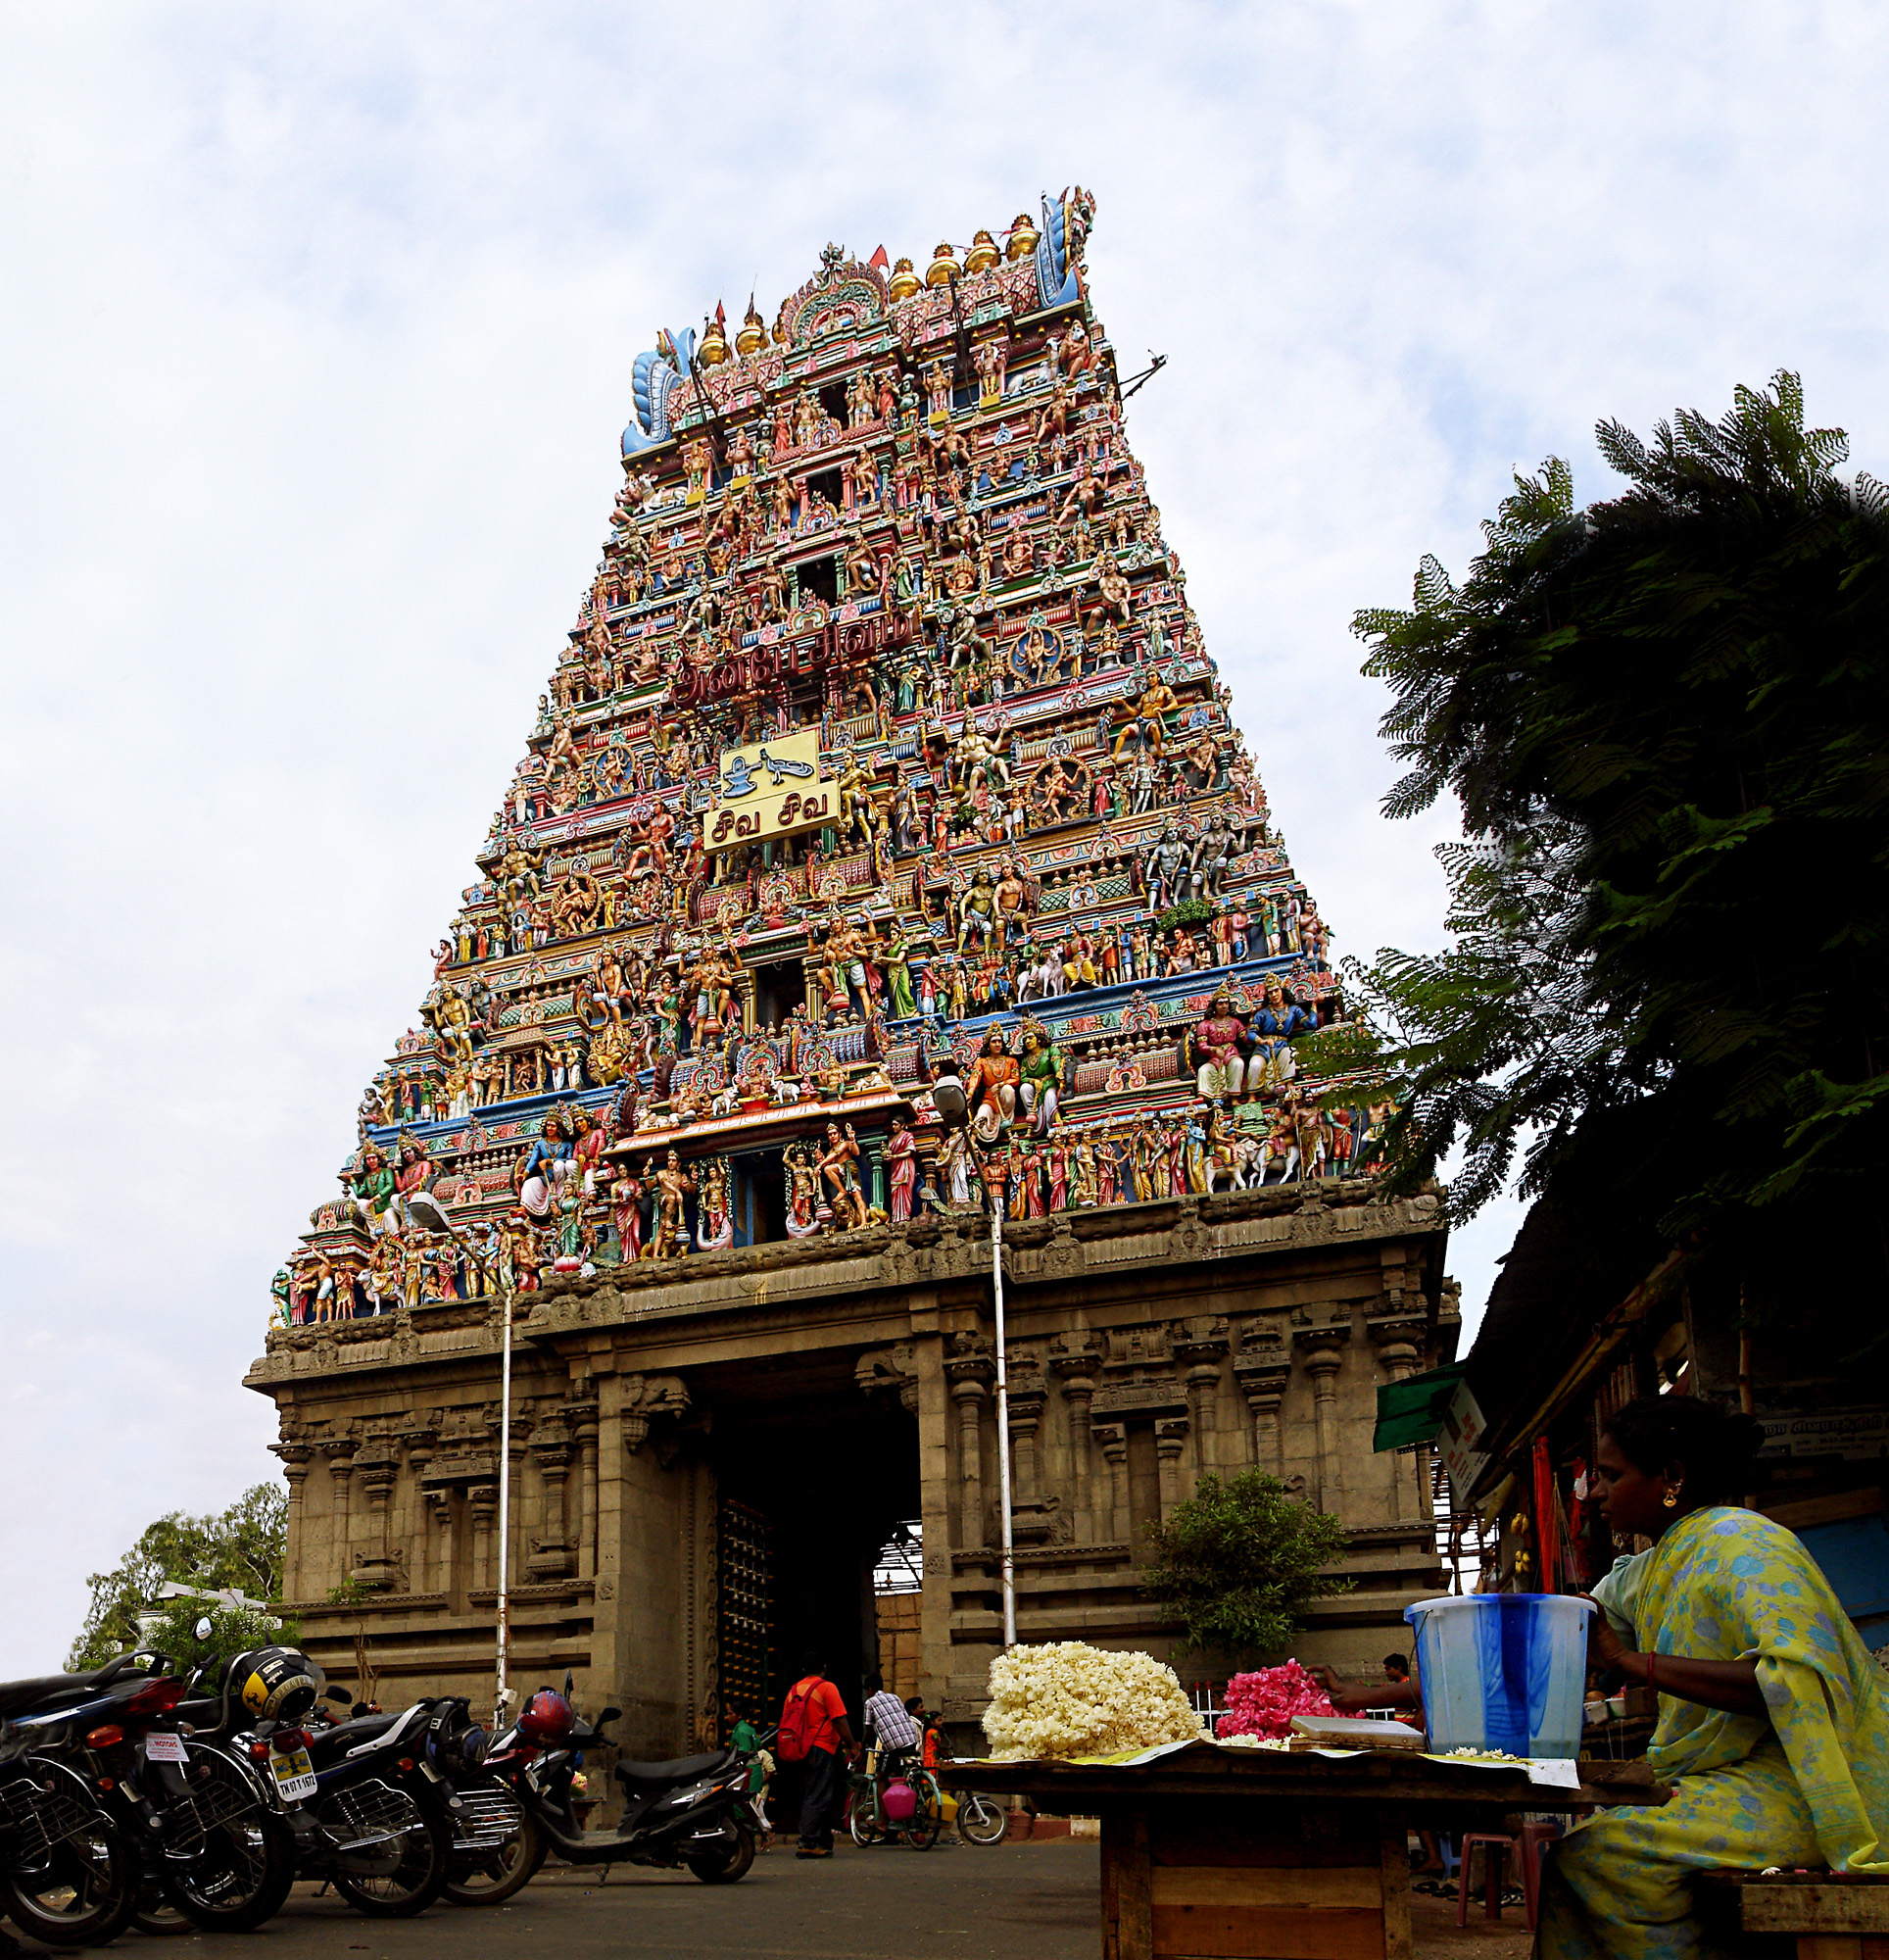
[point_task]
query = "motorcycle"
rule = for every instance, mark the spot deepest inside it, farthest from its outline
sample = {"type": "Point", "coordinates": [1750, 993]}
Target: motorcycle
{"type": "Point", "coordinates": [365, 1808]}
{"type": "Point", "coordinates": [68, 1877]}
{"type": "Point", "coordinates": [693, 1813]}
{"type": "Point", "coordinates": [497, 1849]}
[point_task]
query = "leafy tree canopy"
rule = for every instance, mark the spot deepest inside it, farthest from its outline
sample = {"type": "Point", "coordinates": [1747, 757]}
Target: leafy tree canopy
{"type": "Point", "coordinates": [1242, 1560]}
{"type": "Point", "coordinates": [1665, 717]}
{"type": "Point", "coordinates": [241, 1548]}
{"type": "Point", "coordinates": [233, 1630]}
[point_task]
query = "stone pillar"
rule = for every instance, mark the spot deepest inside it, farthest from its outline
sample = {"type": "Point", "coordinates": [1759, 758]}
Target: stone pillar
{"type": "Point", "coordinates": [584, 1424]}
{"type": "Point", "coordinates": [484, 1501]}
{"type": "Point", "coordinates": [1400, 1347]}
{"type": "Point", "coordinates": [440, 1510]}
{"type": "Point", "coordinates": [550, 1555]}
{"type": "Point", "coordinates": [967, 1374]}
{"type": "Point", "coordinates": [340, 1452]}
{"type": "Point", "coordinates": [1112, 1438]}
{"type": "Point", "coordinates": [296, 1458]}
{"type": "Point", "coordinates": [1323, 1351]}
{"type": "Point", "coordinates": [378, 1464]}
{"type": "Point", "coordinates": [931, 1406]}
{"type": "Point", "coordinates": [1027, 1393]}
{"type": "Point", "coordinates": [420, 1452]}
{"type": "Point", "coordinates": [1076, 1368]}
{"type": "Point", "coordinates": [1200, 1346]}
{"type": "Point", "coordinates": [1263, 1383]}
{"type": "Point", "coordinates": [1170, 1445]}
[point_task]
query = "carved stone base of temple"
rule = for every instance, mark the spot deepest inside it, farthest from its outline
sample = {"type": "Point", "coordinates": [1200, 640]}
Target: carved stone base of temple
{"type": "Point", "coordinates": [707, 1454]}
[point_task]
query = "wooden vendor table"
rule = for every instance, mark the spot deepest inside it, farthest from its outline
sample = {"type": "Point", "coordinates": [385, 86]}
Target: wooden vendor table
{"type": "Point", "coordinates": [1258, 1854]}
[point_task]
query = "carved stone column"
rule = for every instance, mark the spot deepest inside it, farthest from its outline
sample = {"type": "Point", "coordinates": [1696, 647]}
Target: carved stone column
{"type": "Point", "coordinates": [1027, 1392]}
{"type": "Point", "coordinates": [484, 1502]}
{"type": "Point", "coordinates": [1076, 1367]}
{"type": "Point", "coordinates": [1323, 1351]}
{"type": "Point", "coordinates": [378, 1465]}
{"type": "Point", "coordinates": [1200, 1346]}
{"type": "Point", "coordinates": [549, 1550]}
{"type": "Point", "coordinates": [584, 1425]}
{"type": "Point", "coordinates": [296, 1458]}
{"type": "Point", "coordinates": [1112, 1440]}
{"type": "Point", "coordinates": [419, 1445]}
{"type": "Point", "coordinates": [1170, 1445]}
{"type": "Point", "coordinates": [340, 1452]}
{"type": "Point", "coordinates": [967, 1372]}
{"type": "Point", "coordinates": [440, 1515]}
{"type": "Point", "coordinates": [1262, 1368]}
{"type": "Point", "coordinates": [1400, 1347]}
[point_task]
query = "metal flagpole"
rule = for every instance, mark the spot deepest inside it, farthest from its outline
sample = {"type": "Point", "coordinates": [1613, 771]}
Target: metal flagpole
{"type": "Point", "coordinates": [1003, 1426]}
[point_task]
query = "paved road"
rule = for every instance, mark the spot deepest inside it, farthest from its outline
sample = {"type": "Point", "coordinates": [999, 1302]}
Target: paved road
{"type": "Point", "coordinates": [955, 1902]}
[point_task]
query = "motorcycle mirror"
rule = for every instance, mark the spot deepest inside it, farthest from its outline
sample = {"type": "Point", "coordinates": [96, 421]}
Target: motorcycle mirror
{"type": "Point", "coordinates": [203, 1629]}
{"type": "Point", "coordinates": [339, 1694]}
{"type": "Point", "coordinates": [569, 1683]}
{"type": "Point", "coordinates": [608, 1715]}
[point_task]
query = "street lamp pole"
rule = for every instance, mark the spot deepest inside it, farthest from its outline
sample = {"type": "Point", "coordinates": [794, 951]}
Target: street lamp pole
{"type": "Point", "coordinates": [1009, 1559]}
{"type": "Point", "coordinates": [505, 1506]}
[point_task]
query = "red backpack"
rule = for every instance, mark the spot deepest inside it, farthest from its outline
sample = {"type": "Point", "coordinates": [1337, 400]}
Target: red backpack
{"type": "Point", "coordinates": [801, 1720]}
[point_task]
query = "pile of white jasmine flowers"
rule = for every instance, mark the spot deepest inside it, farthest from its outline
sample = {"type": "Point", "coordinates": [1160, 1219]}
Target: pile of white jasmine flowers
{"type": "Point", "coordinates": [1071, 1699]}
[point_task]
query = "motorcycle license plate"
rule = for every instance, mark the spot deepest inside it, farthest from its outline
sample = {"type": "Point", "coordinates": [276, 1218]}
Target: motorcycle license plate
{"type": "Point", "coordinates": [294, 1773]}
{"type": "Point", "coordinates": [160, 1747]}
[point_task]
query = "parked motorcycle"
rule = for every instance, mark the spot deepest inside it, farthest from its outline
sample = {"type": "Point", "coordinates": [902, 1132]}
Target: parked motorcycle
{"type": "Point", "coordinates": [497, 1849]}
{"type": "Point", "coordinates": [693, 1813]}
{"type": "Point", "coordinates": [68, 1877]}
{"type": "Point", "coordinates": [365, 1808]}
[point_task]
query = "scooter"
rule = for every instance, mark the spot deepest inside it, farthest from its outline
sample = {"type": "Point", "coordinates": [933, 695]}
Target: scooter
{"type": "Point", "coordinates": [693, 1813]}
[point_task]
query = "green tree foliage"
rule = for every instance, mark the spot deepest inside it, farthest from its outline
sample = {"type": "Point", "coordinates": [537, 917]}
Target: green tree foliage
{"type": "Point", "coordinates": [1242, 1560]}
{"type": "Point", "coordinates": [241, 1548]}
{"type": "Point", "coordinates": [1665, 717]}
{"type": "Point", "coordinates": [233, 1630]}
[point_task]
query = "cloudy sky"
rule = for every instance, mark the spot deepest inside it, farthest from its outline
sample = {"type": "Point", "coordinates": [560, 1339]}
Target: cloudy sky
{"type": "Point", "coordinates": [316, 332]}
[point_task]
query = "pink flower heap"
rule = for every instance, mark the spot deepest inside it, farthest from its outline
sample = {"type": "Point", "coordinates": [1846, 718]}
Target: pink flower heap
{"type": "Point", "coordinates": [1264, 1703]}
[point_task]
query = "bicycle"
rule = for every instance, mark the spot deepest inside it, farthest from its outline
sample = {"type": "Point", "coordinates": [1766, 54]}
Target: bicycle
{"type": "Point", "coordinates": [866, 1818]}
{"type": "Point", "coordinates": [980, 1821]}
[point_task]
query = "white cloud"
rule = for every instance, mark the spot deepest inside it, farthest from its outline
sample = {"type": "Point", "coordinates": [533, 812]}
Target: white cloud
{"type": "Point", "coordinates": [315, 328]}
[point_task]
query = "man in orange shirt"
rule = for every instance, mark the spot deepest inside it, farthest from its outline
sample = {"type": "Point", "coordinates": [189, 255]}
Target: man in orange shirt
{"type": "Point", "coordinates": [815, 1714]}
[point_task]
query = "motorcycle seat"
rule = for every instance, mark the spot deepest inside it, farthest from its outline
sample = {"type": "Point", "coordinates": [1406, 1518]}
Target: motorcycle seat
{"type": "Point", "coordinates": [684, 1769]}
{"type": "Point", "coordinates": [327, 1744]}
{"type": "Point", "coordinates": [19, 1697]}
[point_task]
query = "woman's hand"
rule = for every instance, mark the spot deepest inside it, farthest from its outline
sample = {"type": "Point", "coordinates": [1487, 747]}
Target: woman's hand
{"type": "Point", "coordinates": [1606, 1647]}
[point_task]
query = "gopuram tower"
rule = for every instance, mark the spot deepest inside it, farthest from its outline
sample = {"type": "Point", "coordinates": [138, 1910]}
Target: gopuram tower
{"type": "Point", "coordinates": [884, 852]}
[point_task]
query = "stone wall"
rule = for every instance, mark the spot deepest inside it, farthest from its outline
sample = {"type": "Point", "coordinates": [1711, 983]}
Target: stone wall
{"type": "Point", "coordinates": [1147, 1343]}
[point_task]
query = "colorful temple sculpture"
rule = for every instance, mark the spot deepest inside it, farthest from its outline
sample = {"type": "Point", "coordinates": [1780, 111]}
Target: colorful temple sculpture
{"type": "Point", "coordinates": [884, 853]}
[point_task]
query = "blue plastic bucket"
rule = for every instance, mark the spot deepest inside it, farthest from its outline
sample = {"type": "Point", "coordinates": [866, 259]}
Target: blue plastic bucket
{"type": "Point", "coordinates": [1503, 1671]}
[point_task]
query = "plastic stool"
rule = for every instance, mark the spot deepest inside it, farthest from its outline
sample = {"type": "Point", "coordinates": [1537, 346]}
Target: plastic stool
{"type": "Point", "coordinates": [1525, 1847]}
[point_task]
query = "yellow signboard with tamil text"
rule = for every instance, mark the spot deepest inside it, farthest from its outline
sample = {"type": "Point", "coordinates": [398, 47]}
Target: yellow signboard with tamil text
{"type": "Point", "coordinates": [771, 789]}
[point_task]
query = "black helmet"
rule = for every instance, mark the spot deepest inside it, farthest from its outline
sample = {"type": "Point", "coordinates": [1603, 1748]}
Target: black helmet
{"type": "Point", "coordinates": [276, 1684]}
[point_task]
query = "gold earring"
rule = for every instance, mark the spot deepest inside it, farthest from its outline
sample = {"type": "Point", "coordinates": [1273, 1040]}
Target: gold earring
{"type": "Point", "coordinates": [1670, 1501]}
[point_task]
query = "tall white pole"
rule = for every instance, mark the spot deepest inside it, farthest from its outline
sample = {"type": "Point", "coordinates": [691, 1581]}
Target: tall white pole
{"type": "Point", "coordinates": [1009, 1567]}
{"type": "Point", "coordinates": [505, 1509]}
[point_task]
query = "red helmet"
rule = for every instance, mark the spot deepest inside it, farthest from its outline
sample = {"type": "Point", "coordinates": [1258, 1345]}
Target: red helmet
{"type": "Point", "coordinates": [547, 1719]}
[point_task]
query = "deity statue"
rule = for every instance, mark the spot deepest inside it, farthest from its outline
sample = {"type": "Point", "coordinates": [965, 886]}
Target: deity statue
{"type": "Point", "coordinates": [991, 1094]}
{"type": "Point", "coordinates": [1040, 1081]}
{"type": "Point", "coordinates": [839, 1165]}
{"type": "Point", "coordinates": [901, 1156]}
{"type": "Point", "coordinates": [669, 1240]}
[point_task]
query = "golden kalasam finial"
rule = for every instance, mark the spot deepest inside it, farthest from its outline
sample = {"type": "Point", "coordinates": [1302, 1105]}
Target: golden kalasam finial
{"type": "Point", "coordinates": [904, 283]}
{"type": "Point", "coordinates": [983, 255]}
{"type": "Point", "coordinates": [751, 335]}
{"type": "Point", "coordinates": [714, 350]}
{"type": "Point", "coordinates": [1021, 238]}
{"type": "Point", "coordinates": [943, 267]}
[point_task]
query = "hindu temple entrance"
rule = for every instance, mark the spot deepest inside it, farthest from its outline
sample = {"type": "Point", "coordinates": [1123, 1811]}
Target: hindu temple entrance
{"type": "Point", "coordinates": [812, 1479]}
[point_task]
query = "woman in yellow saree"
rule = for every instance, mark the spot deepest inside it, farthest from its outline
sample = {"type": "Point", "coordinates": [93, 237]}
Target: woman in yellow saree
{"type": "Point", "coordinates": [1773, 1724]}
